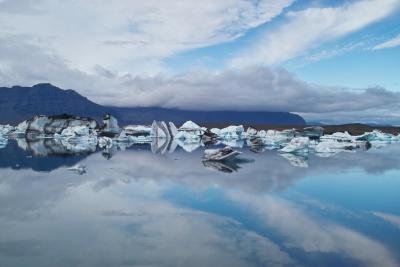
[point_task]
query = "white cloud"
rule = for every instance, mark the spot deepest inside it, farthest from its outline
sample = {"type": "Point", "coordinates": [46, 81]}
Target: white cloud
{"type": "Point", "coordinates": [389, 43]}
{"type": "Point", "coordinates": [390, 218]}
{"type": "Point", "coordinates": [127, 35]}
{"type": "Point", "coordinates": [252, 88]}
{"type": "Point", "coordinates": [306, 29]}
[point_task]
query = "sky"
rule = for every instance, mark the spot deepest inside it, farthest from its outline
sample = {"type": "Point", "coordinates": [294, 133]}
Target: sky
{"type": "Point", "coordinates": [329, 61]}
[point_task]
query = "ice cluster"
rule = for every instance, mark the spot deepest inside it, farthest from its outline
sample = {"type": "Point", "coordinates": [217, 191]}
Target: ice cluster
{"type": "Point", "coordinates": [72, 134]}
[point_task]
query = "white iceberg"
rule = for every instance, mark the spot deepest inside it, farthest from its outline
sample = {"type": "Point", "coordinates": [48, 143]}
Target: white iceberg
{"type": "Point", "coordinates": [232, 132]}
{"type": "Point", "coordinates": [298, 145]}
{"type": "Point", "coordinates": [272, 138]}
{"type": "Point", "coordinates": [192, 128]}
{"type": "Point", "coordinates": [77, 139]}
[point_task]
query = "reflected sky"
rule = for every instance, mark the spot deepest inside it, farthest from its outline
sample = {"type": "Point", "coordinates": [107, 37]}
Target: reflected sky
{"type": "Point", "coordinates": [139, 208]}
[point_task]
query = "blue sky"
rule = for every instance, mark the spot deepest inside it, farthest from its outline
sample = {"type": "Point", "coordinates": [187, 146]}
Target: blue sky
{"type": "Point", "coordinates": [349, 61]}
{"type": "Point", "coordinates": [306, 57]}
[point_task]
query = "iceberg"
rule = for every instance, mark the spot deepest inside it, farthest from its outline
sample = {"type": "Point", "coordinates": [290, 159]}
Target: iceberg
{"type": "Point", "coordinates": [159, 129]}
{"type": "Point", "coordinates": [225, 153]}
{"type": "Point", "coordinates": [312, 132]}
{"type": "Point", "coordinates": [137, 130]}
{"type": "Point", "coordinates": [231, 132]}
{"type": "Point", "coordinates": [172, 129]}
{"type": "Point", "coordinates": [339, 136]}
{"type": "Point", "coordinates": [378, 136]}
{"type": "Point", "coordinates": [209, 138]}
{"type": "Point", "coordinates": [298, 145]}
{"type": "Point", "coordinates": [335, 146]}
{"type": "Point", "coordinates": [105, 142]}
{"type": "Point", "coordinates": [272, 138]}
{"type": "Point", "coordinates": [110, 126]}
{"type": "Point", "coordinates": [77, 139]}
{"type": "Point", "coordinates": [6, 129]}
{"type": "Point", "coordinates": [251, 132]}
{"type": "Point", "coordinates": [50, 125]}
{"type": "Point", "coordinates": [215, 131]}
{"type": "Point", "coordinates": [192, 128]}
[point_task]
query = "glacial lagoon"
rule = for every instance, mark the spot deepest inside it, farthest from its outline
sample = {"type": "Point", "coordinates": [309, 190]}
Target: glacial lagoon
{"type": "Point", "coordinates": [138, 207]}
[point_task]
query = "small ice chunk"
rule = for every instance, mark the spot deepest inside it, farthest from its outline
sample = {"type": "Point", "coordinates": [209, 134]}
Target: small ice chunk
{"type": "Point", "coordinates": [220, 154]}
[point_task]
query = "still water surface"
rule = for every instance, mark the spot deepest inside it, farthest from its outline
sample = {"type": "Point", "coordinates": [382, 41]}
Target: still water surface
{"type": "Point", "coordinates": [138, 208]}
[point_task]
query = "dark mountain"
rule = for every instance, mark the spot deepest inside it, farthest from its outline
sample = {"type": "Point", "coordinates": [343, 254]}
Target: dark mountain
{"type": "Point", "coordinates": [19, 103]}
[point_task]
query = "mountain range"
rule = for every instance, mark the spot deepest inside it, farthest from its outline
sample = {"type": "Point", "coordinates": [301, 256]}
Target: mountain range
{"type": "Point", "coordinates": [19, 103]}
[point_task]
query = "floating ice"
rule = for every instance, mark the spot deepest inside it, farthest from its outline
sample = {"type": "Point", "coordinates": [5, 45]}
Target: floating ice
{"type": "Point", "coordinates": [335, 146]}
{"type": "Point", "coordinates": [137, 130]}
{"type": "Point", "coordinates": [272, 138]}
{"type": "Point", "coordinates": [297, 145]}
{"type": "Point", "coordinates": [215, 131]}
{"type": "Point", "coordinates": [378, 136]}
{"type": "Point", "coordinates": [110, 125]}
{"type": "Point", "coordinates": [251, 132]}
{"type": "Point", "coordinates": [232, 132]}
{"type": "Point", "coordinates": [6, 129]}
{"type": "Point", "coordinates": [50, 125]}
{"type": "Point", "coordinates": [192, 128]}
{"type": "Point", "coordinates": [77, 138]}
{"type": "Point", "coordinates": [312, 132]}
{"type": "Point", "coordinates": [225, 153]}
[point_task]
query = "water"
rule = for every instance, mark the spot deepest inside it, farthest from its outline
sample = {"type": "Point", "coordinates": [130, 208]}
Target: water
{"type": "Point", "coordinates": [138, 208]}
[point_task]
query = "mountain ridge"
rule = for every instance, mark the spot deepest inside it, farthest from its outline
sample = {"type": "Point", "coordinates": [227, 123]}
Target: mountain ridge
{"type": "Point", "coordinates": [18, 103]}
